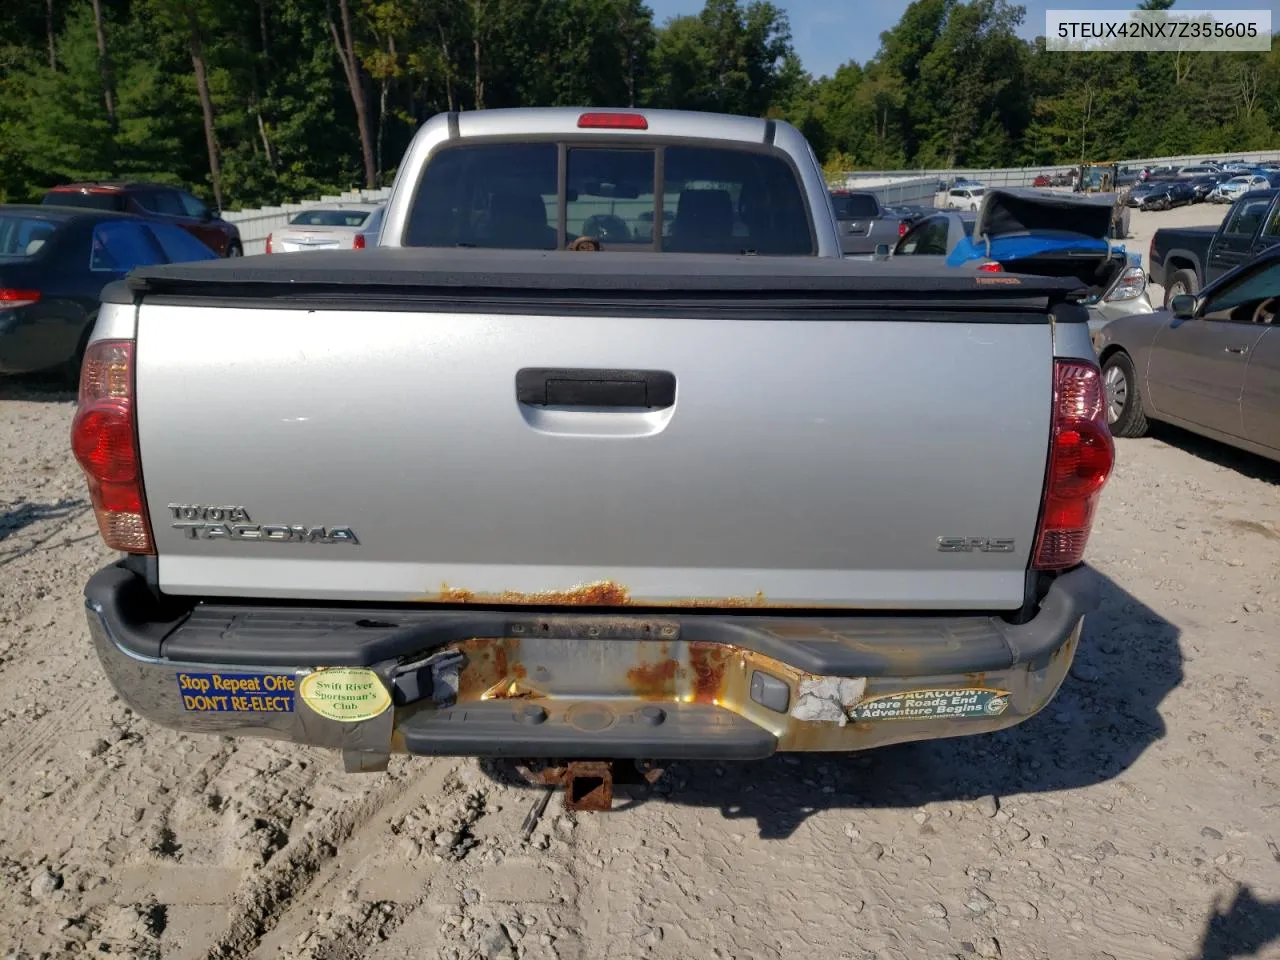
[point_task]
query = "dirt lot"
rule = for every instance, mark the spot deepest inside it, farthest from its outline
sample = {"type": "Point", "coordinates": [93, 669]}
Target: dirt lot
{"type": "Point", "coordinates": [1137, 817]}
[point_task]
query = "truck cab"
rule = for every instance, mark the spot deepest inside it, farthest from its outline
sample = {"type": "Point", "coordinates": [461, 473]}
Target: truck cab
{"type": "Point", "coordinates": [1187, 259]}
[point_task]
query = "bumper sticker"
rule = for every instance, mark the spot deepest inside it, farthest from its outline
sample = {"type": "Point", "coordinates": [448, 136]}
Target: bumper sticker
{"type": "Point", "coordinates": [346, 694]}
{"type": "Point", "coordinates": [237, 692]}
{"type": "Point", "coordinates": [931, 704]}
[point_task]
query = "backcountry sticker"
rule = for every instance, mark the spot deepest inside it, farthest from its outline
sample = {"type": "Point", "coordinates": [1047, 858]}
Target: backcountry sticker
{"type": "Point", "coordinates": [347, 694]}
{"type": "Point", "coordinates": [932, 704]}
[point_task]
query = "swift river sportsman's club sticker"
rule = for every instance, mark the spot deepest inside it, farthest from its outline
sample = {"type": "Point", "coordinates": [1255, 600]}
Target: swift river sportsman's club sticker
{"type": "Point", "coordinates": [930, 704]}
{"type": "Point", "coordinates": [346, 694]}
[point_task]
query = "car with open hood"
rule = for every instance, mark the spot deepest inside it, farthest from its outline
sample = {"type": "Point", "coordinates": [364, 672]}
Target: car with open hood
{"type": "Point", "coordinates": [1044, 234]}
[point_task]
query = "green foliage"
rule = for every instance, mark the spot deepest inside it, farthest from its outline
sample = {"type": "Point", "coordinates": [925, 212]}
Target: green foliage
{"type": "Point", "coordinates": [951, 84]}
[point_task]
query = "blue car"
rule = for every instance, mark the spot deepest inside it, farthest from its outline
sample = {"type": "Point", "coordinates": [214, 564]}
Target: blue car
{"type": "Point", "coordinates": [1039, 233]}
{"type": "Point", "coordinates": [1020, 225]}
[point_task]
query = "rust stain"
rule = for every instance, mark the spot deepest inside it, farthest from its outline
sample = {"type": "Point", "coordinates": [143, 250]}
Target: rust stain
{"type": "Point", "coordinates": [709, 661]}
{"type": "Point", "coordinates": [654, 681]}
{"type": "Point", "coordinates": [601, 593]}
{"type": "Point", "coordinates": [491, 665]}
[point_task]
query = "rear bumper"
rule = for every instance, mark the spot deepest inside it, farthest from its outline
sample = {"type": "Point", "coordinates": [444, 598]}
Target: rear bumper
{"type": "Point", "coordinates": [551, 684]}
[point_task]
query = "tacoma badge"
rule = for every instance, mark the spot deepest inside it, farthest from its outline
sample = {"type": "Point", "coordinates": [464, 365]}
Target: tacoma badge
{"type": "Point", "coordinates": [980, 544]}
{"type": "Point", "coordinates": [202, 522]}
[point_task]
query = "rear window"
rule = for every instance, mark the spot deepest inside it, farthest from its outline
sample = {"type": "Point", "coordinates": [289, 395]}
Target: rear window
{"type": "Point", "coordinates": [178, 245]}
{"type": "Point", "coordinates": [94, 201]}
{"type": "Point", "coordinates": [712, 199]}
{"type": "Point", "coordinates": [855, 206]}
{"type": "Point", "coordinates": [330, 218]}
{"type": "Point", "coordinates": [1248, 217]}
{"type": "Point", "coordinates": [24, 236]}
{"type": "Point", "coordinates": [119, 246]}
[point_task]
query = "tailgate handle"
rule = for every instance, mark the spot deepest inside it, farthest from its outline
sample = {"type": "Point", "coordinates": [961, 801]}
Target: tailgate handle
{"type": "Point", "coordinates": [562, 387]}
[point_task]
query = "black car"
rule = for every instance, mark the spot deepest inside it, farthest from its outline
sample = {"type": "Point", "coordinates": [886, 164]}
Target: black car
{"type": "Point", "coordinates": [1162, 194]}
{"type": "Point", "coordinates": [54, 262]}
{"type": "Point", "coordinates": [1203, 185]}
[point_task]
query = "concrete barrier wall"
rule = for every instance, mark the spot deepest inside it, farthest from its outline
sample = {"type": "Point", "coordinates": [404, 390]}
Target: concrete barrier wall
{"type": "Point", "coordinates": [1025, 176]}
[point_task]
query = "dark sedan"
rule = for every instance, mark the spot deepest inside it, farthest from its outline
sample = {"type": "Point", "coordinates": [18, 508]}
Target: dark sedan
{"type": "Point", "coordinates": [1204, 185]}
{"type": "Point", "coordinates": [1161, 194]}
{"type": "Point", "coordinates": [54, 262]}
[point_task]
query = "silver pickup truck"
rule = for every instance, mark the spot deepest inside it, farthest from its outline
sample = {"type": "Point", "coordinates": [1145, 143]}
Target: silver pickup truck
{"type": "Point", "coordinates": [591, 507]}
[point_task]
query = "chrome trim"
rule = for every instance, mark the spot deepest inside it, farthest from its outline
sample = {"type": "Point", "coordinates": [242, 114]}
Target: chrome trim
{"type": "Point", "coordinates": [150, 687]}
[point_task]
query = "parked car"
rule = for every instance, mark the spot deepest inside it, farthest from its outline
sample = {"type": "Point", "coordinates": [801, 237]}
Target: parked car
{"type": "Point", "coordinates": [965, 198]}
{"type": "Point", "coordinates": [337, 226]}
{"type": "Point", "coordinates": [1209, 363]}
{"type": "Point", "coordinates": [550, 591]}
{"type": "Point", "coordinates": [1038, 234]}
{"type": "Point", "coordinates": [863, 222]}
{"type": "Point", "coordinates": [1197, 170]}
{"type": "Point", "coordinates": [367, 235]}
{"type": "Point", "coordinates": [908, 213]}
{"type": "Point", "coordinates": [155, 201]}
{"type": "Point", "coordinates": [54, 263]}
{"type": "Point", "coordinates": [1187, 259]}
{"type": "Point", "coordinates": [1042, 180]}
{"type": "Point", "coordinates": [1161, 194]}
{"type": "Point", "coordinates": [1205, 185]}
{"type": "Point", "coordinates": [1229, 191]}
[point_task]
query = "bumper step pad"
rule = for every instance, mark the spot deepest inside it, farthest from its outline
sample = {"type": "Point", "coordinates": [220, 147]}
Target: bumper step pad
{"type": "Point", "coordinates": [575, 729]}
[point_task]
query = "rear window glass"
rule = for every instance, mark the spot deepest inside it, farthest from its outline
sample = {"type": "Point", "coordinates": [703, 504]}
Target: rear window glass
{"type": "Point", "coordinates": [120, 245]}
{"type": "Point", "coordinates": [330, 218]}
{"type": "Point", "coordinates": [24, 236]}
{"type": "Point", "coordinates": [94, 201]}
{"type": "Point", "coordinates": [178, 245]}
{"type": "Point", "coordinates": [1248, 217]}
{"type": "Point", "coordinates": [713, 199]}
{"type": "Point", "coordinates": [855, 206]}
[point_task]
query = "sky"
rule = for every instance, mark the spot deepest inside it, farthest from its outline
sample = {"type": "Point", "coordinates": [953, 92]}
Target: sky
{"type": "Point", "coordinates": [827, 33]}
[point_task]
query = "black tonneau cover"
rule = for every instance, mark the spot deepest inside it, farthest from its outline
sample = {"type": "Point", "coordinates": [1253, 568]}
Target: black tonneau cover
{"type": "Point", "coordinates": [403, 277]}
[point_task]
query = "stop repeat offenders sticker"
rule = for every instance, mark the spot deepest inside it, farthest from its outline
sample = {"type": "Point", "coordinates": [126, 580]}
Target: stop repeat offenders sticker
{"type": "Point", "coordinates": [345, 694]}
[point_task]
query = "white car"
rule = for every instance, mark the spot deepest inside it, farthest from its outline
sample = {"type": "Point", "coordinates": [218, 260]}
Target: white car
{"type": "Point", "coordinates": [1235, 188]}
{"type": "Point", "coordinates": [1199, 170]}
{"type": "Point", "coordinates": [338, 226]}
{"type": "Point", "coordinates": [965, 198]}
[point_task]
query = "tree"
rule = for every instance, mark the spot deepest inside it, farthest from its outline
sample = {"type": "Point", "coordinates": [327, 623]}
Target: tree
{"type": "Point", "coordinates": [345, 44]}
{"type": "Point", "coordinates": [729, 58]}
{"type": "Point", "coordinates": [104, 59]}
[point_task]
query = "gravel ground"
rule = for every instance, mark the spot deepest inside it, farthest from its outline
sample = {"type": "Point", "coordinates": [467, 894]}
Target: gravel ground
{"type": "Point", "coordinates": [1137, 817]}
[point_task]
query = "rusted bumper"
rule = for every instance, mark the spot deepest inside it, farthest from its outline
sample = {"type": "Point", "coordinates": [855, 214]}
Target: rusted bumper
{"type": "Point", "coordinates": [525, 684]}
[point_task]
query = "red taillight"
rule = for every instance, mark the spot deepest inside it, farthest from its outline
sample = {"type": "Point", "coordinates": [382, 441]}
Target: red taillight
{"type": "Point", "coordinates": [12, 299]}
{"type": "Point", "coordinates": [1081, 456]}
{"type": "Point", "coordinates": [902, 228]}
{"type": "Point", "coordinates": [268, 248]}
{"type": "Point", "coordinates": [104, 439]}
{"type": "Point", "coordinates": [990, 267]}
{"type": "Point", "coordinates": [614, 121]}
{"type": "Point", "coordinates": [358, 242]}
